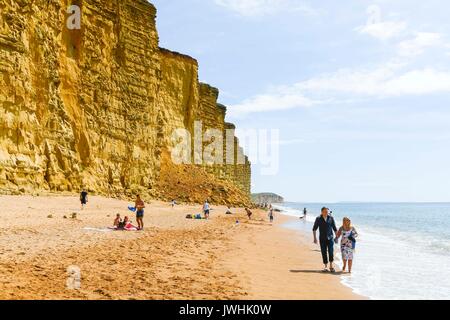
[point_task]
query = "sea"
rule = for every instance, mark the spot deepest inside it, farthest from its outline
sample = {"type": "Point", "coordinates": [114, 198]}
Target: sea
{"type": "Point", "coordinates": [402, 252]}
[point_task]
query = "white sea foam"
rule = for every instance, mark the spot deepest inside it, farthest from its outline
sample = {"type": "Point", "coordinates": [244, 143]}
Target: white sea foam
{"type": "Point", "coordinates": [394, 264]}
{"type": "Point", "coordinates": [294, 212]}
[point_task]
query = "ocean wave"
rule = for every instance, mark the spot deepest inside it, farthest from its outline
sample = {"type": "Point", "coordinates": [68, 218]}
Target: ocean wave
{"type": "Point", "coordinates": [391, 263]}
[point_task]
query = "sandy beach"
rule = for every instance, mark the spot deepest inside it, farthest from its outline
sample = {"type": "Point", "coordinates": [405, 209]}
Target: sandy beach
{"type": "Point", "coordinates": [173, 258]}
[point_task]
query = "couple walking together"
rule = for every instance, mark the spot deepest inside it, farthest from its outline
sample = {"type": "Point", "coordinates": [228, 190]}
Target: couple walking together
{"type": "Point", "coordinates": [327, 230]}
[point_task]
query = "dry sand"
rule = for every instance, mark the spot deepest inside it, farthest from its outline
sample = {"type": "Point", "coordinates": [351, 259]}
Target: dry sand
{"type": "Point", "coordinates": [174, 258]}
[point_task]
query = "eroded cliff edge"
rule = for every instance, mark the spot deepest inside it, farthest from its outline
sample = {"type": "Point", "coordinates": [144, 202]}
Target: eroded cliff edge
{"type": "Point", "coordinates": [96, 107]}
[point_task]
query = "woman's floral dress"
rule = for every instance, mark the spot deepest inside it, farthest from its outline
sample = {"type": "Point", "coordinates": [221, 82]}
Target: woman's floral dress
{"type": "Point", "coordinates": [347, 246]}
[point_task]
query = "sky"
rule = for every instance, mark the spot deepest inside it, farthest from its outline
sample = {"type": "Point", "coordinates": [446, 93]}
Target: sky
{"type": "Point", "coordinates": [357, 90]}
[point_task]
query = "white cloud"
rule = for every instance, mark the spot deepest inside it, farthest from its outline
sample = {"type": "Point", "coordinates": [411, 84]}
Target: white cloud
{"type": "Point", "coordinates": [383, 30]}
{"type": "Point", "coordinates": [418, 82]}
{"type": "Point", "coordinates": [385, 81]}
{"type": "Point", "coordinates": [251, 8]}
{"type": "Point", "coordinates": [417, 45]}
{"type": "Point", "coordinates": [270, 102]}
{"type": "Point", "coordinates": [400, 77]}
{"type": "Point", "coordinates": [347, 85]}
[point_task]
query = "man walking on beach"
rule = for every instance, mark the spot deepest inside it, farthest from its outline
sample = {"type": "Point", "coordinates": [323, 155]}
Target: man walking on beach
{"type": "Point", "coordinates": [83, 198]}
{"type": "Point", "coordinates": [327, 228]}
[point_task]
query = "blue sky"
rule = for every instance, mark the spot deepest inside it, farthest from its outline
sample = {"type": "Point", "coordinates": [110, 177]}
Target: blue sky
{"type": "Point", "coordinates": [359, 90]}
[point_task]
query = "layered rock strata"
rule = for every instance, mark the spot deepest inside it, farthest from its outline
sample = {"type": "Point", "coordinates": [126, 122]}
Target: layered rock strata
{"type": "Point", "coordinates": [96, 107]}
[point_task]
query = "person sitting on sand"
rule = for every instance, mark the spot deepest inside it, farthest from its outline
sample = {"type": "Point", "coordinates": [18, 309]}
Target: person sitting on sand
{"type": "Point", "coordinates": [249, 213]}
{"type": "Point", "coordinates": [173, 203]}
{"type": "Point", "coordinates": [117, 221]}
{"type": "Point", "coordinates": [348, 243]}
{"type": "Point", "coordinates": [206, 209]}
{"type": "Point", "coordinates": [127, 224]}
{"type": "Point", "coordinates": [326, 225]}
{"type": "Point", "coordinates": [140, 206]}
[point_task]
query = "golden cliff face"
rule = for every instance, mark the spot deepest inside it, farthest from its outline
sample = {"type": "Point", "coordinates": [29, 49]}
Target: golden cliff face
{"type": "Point", "coordinates": [96, 107]}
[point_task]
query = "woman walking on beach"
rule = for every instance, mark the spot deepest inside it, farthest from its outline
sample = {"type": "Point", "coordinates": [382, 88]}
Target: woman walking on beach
{"type": "Point", "coordinates": [140, 206]}
{"type": "Point", "coordinates": [348, 243]}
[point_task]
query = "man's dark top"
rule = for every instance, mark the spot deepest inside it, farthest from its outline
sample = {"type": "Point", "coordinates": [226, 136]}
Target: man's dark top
{"type": "Point", "coordinates": [326, 228]}
{"type": "Point", "coordinates": [83, 196]}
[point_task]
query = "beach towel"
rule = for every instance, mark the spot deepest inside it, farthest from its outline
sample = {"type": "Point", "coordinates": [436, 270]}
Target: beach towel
{"type": "Point", "coordinates": [99, 229]}
{"type": "Point", "coordinates": [129, 227]}
{"type": "Point", "coordinates": [111, 229]}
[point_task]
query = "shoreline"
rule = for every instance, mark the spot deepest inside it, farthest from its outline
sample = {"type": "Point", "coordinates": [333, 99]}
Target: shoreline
{"type": "Point", "coordinates": [172, 259]}
{"type": "Point", "coordinates": [307, 238]}
{"type": "Point", "coordinates": [278, 264]}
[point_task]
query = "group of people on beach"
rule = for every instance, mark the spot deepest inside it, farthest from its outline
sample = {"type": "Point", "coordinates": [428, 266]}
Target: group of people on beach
{"type": "Point", "coordinates": [329, 235]}
{"type": "Point", "coordinates": [126, 223]}
{"type": "Point", "coordinates": [207, 209]}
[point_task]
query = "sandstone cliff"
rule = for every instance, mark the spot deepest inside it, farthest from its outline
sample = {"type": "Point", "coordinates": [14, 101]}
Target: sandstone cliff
{"type": "Point", "coordinates": [95, 107]}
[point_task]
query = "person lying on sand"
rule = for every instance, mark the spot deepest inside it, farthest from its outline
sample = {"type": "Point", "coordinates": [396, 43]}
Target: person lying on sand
{"type": "Point", "coordinates": [249, 213]}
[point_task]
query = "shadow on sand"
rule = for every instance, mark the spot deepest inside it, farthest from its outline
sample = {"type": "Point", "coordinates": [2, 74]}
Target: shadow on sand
{"type": "Point", "coordinates": [337, 273]}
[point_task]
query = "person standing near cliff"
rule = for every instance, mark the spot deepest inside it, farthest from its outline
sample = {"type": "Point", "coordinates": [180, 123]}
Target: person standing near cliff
{"type": "Point", "coordinates": [83, 198]}
{"type": "Point", "coordinates": [206, 209]}
{"type": "Point", "coordinates": [140, 206]}
{"type": "Point", "coordinates": [327, 227]}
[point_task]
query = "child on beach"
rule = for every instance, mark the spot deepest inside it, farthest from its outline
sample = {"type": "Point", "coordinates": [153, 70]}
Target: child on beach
{"type": "Point", "coordinates": [348, 243]}
{"type": "Point", "coordinates": [117, 221]}
{"type": "Point", "coordinates": [271, 214]}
